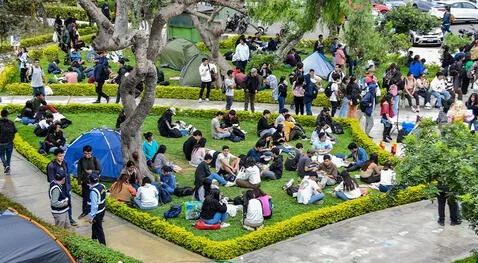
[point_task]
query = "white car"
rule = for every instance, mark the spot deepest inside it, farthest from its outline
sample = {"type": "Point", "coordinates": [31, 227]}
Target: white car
{"type": "Point", "coordinates": [434, 37]}
{"type": "Point", "coordinates": [463, 11]}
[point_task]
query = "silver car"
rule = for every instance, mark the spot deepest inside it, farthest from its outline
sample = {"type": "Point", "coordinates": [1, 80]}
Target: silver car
{"type": "Point", "coordinates": [434, 37]}
{"type": "Point", "coordinates": [423, 5]}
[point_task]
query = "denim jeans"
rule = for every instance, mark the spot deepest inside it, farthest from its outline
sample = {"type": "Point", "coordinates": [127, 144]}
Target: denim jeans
{"type": "Point", "coordinates": [6, 153]}
{"type": "Point", "coordinates": [40, 89]}
{"type": "Point", "coordinates": [437, 95]}
{"type": "Point", "coordinates": [217, 177]}
{"type": "Point", "coordinates": [308, 108]}
{"type": "Point", "coordinates": [315, 198]}
{"type": "Point", "coordinates": [138, 203]}
{"type": "Point", "coordinates": [341, 195]}
{"type": "Point", "coordinates": [281, 101]}
{"type": "Point", "coordinates": [218, 218]}
{"type": "Point", "coordinates": [229, 102]}
{"type": "Point", "coordinates": [344, 108]}
{"type": "Point", "coordinates": [26, 120]}
{"type": "Point", "coordinates": [474, 123]}
{"type": "Point", "coordinates": [269, 175]}
{"type": "Point", "coordinates": [267, 131]}
{"type": "Point", "coordinates": [221, 135]}
{"type": "Point", "coordinates": [384, 188]}
{"type": "Point", "coordinates": [285, 150]}
{"type": "Point", "coordinates": [396, 103]}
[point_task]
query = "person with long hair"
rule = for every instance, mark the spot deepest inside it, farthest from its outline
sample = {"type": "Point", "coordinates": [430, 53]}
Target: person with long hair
{"type": "Point", "coordinates": [387, 116]}
{"type": "Point", "coordinates": [344, 106]}
{"type": "Point", "coordinates": [279, 140]}
{"type": "Point", "coordinates": [135, 177]}
{"type": "Point", "coordinates": [423, 90]}
{"type": "Point", "coordinates": [252, 212]}
{"type": "Point", "coordinates": [121, 190]}
{"type": "Point", "coordinates": [204, 190]}
{"type": "Point", "coordinates": [410, 91]}
{"type": "Point", "coordinates": [472, 104]}
{"type": "Point", "coordinates": [251, 177]}
{"type": "Point", "coordinates": [266, 202]}
{"type": "Point", "coordinates": [298, 89]}
{"type": "Point", "coordinates": [352, 92]}
{"type": "Point", "coordinates": [198, 152]}
{"type": "Point", "coordinates": [159, 161]}
{"type": "Point", "coordinates": [282, 92]}
{"type": "Point", "coordinates": [387, 178]}
{"type": "Point", "coordinates": [370, 171]}
{"type": "Point", "coordinates": [347, 189]}
{"type": "Point", "coordinates": [150, 146]}
{"type": "Point", "coordinates": [213, 211]}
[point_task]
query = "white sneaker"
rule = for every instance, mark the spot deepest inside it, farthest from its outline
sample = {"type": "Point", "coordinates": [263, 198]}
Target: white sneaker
{"type": "Point", "coordinates": [214, 181]}
{"type": "Point", "coordinates": [248, 228]}
{"type": "Point", "coordinates": [229, 184]}
{"type": "Point", "coordinates": [224, 225]}
{"type": "Point", "coordinates": [207, 99]}
{"type": "Point", "coordinates": [200, 100]}
{"type": "Point", "coordinates": [294, 195]}
{"type": "Point", "coordinates": [18, 119]}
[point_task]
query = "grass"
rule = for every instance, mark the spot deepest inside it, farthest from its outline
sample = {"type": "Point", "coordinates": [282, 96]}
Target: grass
{"type": "Point", "coordinates": [470, 259]}
{"type": "Point", "coordinates": [284, 205]}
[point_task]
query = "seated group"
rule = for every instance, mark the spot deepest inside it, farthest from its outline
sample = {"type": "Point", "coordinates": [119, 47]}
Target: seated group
{"type": "Point", "coordinates": [316, 168]}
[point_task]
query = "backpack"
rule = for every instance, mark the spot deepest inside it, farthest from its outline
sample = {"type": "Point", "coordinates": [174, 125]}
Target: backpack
{"type": "Point", "coordinates": [235, 138]}
{"type": "Point", "coordinates": [39, 132]}
{"type": "Point", "coordinates": [337, 128]}
{"type": "Point", "coordinates": [164, 196]}
{"type": "Point", "coordinates": [328, 90]}
{"type": "Point", "coordinates": [291, 190]}
{"type": "Point", "coordinates": [223, 87]}
{"type": "Point", "coordinates": [183, 191]}
{"type": "Point", "coordinates": [270, 208]}
{"type": "Point", "coordinates": [452, 19]}
{"type": "Point", "coordinates": [315, 91]}
{"type": "Point", "coordinates": [173, 212]}
{"type": "Point", "coordinates": [7, 131]}
{"type": "Point", "coordinates": [290, 164]}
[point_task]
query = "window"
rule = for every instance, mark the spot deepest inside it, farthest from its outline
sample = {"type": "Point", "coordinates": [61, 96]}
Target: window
{"type": "Point", "coordinates": [456, 5]}
{"type": "Point", "coordinates": [468, 5]}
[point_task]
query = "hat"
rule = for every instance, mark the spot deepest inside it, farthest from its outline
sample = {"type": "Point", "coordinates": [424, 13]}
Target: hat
{"type": "Point", "coordinates": [284, 110]}
{"type": "Point", "coordinates": [173, 110]}
{"type": "Point", "coordinates": [93, 177]}
{"type": "Point", "coordinates": [311, 150]}
{"type": "Point", "coordinates": [370, 64]}
{"type": "Point", "coordinates": [253, 70]}
{"type": "Point", "coordinates": [60, 175]}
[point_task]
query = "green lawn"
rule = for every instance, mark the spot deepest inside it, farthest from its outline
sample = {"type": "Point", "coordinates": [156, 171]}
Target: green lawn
{"type": "Point", "coordinates": [284, 205]}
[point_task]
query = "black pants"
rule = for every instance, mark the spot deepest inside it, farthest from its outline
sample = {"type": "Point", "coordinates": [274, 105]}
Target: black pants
{"type": "Point", "coordinates": [415, 96]}
{"type": "Point", "coordinates": [206, 85]}
{"type": "Point", "coordinates": [85, 193]}
{"type": "Point", "coordinates": [354, 167]}
{"type": "Point", "coordinates": [97, 232]}
{"type": "Point", "coordinates": [23, 75]}
{"type": "Point", "coordinates": [371, 179]}
{"type": "Point", "coordinates": [442, 199]}
{"type": "Point", "coordinates": [335, 106]}
{"type": "Point", "coordinates": [299, 105]}
{"type": "Point", "coordinates": [464, 85]}
{"type": "Point", "coordinates": [386, 131]}
{"type": "Point", "coordinates": [99, 91]}
{"type": "Point", "coordinates": [425, 94]}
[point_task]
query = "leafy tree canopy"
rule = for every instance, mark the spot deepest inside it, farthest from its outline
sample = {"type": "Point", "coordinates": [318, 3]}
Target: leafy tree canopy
{"type": "Point", "coordinates": [406, 18]}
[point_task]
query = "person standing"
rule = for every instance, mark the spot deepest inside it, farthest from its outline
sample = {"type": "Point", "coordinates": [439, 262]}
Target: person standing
{"type": "Point", "coordinates": [334, 96]}
{"type": "Point", "coordinates": [367, 104]}
{"type": "Point", "coordinates": [59, 166]}
{"type": "Point", "coordinates": [319, 45]}
{"type": "Point", "coordinates": [387, 116]}
{"type": "Point", "coordinates": [37, 77]}
{"type": "Point", "coordinates": [282, 93]}
{"type": "Point", "coordinates": [207, 71]}
{"type": "Point", "coordinates": [252, 86]}
{"type": "Point", "coordinates": [22, 56]}
{"type": "Point", "coordinates": [447, 17]}
{"type": "Point", "coordinates": [299, 91]}
{"type": "Point", "coordinates": [241, 56]}
{"type": "Point", "coordinates": [101, 73]}
{"type": "Point", "coordinates": [309, 94]}
{"type": "Point", "coordinates": [444, 196]}
{"type": "Point", "coordinates": [87, 165]}
{"type": "Point", "coordinates": [123, 69]}
{"type": "Point", "coordinates": [105, 10]}
{"type": "Point", "coordinates": [230, 86]}
{"type": "Point", "coordinates": [97, 196]}
{"type": "Point", "coordinates": [333, 49]}
{"type": "Point", "coordinates": [59, 200]}
{"type": "Point", "coordinates": [7, 134]}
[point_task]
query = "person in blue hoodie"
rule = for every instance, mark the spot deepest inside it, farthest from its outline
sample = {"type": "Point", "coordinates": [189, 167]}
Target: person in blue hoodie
{"type": "Point", "coordinates": [367, 104]}
{"type": "Point", "coordinates": [101, 73]}
{"type": "Point", "coordinates": [309, 91]}
{"type": "Point", "coordinates": [359, 156]}
{"type": "Point", "coordinates": [416, 67]}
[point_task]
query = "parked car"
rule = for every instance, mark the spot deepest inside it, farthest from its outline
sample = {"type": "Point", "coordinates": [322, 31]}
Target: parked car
{"type": "Point", "coordinates": [381, 8]}
{"type": "Point", "coordinates": [463, 11]}
{"type": "Point", "coordinates": [434, 37]}
{"type": "Point", "coordinates": [391, 4]}
{"type": "Point", "coordinates": [423, 5]}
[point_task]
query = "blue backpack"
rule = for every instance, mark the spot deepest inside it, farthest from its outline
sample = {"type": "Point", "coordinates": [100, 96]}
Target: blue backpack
{"type": "Point", "coordinates": [173, 212]}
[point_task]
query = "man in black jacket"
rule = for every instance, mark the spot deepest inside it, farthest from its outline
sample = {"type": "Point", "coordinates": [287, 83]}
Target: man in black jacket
{"type": "Point", "coordinates": [263, 127]}
{"type": "Point", "coordinates": [87, 165]}
{"type": "Point", "coordinates": [275, 169]}
{"type": "Point", "coordinates": [252, 86]}
{"type": "Point", "coordinates": [202, 171]}
{"type": "Point", "coordinates": [189, 144]}
{"type": "Point", "coordinates": [7, 133]}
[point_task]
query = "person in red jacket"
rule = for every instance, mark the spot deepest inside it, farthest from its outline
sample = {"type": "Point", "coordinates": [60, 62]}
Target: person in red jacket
{"type": "Point", "coordinates": [387, 115]}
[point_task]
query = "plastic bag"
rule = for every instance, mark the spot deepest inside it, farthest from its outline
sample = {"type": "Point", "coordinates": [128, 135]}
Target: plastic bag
{"type": "Point", "coordinates": [55, 37]}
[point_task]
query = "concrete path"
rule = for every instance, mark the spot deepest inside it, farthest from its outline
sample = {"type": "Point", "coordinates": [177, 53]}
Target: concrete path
{"type": "Point", "coordinates": [28, 186]}
{"type": "Point", "coordinates": [402, 234]}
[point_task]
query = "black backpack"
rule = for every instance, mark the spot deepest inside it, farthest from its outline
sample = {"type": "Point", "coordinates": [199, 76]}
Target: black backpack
{"type": "Point", "coordinates": [183, 191]}
{"type": "Point", "coordinates": [337, 128]}
{"type": "Point", "coordinates": [291, 190]}
{"type": "Point", "coordinates": [7, 130]}
{"type": "Point", "coordinates": [315, 91]}
{"type": "Point", "coordinates": [223, 87]}
{"type": "Point", "coordinates": [328, 90]}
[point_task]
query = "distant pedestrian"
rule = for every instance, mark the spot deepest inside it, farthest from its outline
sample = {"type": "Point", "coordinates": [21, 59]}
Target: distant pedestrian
{"type": "Point", "coordinates": [7, 133]}
{"type": "Point", "coordinates": [207, 71]}
{"type": "Point", "coordinates": [445, 195]}
{"type": "Point", "coordinates": [230, 86]}
{"type": "Point", "coordinates": [22, 57]}
{"type": "Point", "coordinates": [252, 86]}
{"type": "Point", "coordinates": [241, 56]}
{"type": "Point", "coordinates": [87, 165]}
{"type": "Point", "coordinates": [447, 20]}
{"type": "Point", "coordinates": [97, 198]}
{"type": "Point", "coordinates": [106, 10]}
{"type": "Point", "coordinates": [101, 74]}
{"type": "Point", "coordinates": [59, 200]}
{"type": "Point", "coordinates": [37, 77]}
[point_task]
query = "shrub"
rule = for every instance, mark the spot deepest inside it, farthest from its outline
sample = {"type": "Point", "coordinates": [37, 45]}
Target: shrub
{"type": "Point", "coordinates": [259, 59]}
{"type": "Point", "coordinates": [406, 18]}
{"type": "Point", "coordinates": [454, 42]}
{"type": "Point", "coordinates": [77, 12]}
{"type": "Point", "coordinates": [7, 75]}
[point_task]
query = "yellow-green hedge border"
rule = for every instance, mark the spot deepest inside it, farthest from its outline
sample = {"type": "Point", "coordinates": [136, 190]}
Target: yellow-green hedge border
{"type": "Point", "coordinates": [235, 247]}
{"type": "Point", "coordinates": [6, 76]}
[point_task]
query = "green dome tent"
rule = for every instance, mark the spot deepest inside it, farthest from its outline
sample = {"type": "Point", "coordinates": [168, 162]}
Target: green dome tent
{"type": "Point", "coordinates": [190, 72]}
{"type": "Point", "coordinates": [177, 53]}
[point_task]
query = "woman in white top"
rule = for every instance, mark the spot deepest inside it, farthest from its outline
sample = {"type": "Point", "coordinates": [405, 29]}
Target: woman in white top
{"type": "Point", "coordinates": [251, 177]}
{"type": "Point", "coordinates": [147, 195]}
{"type": "Point", "coordinates": [348, 189]}
{"type": "Point", "coordinates": [253, 218]}
{"type": "Point", "coordinates": [387, 178]}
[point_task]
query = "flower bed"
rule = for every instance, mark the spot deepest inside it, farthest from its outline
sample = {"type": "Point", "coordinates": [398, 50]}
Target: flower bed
{"type": "Point", "coordinates": [268, 235]}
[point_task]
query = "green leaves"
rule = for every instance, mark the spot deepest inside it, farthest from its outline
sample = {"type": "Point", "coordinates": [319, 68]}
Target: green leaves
{"type": "Point", "coordinates": [406, 18]}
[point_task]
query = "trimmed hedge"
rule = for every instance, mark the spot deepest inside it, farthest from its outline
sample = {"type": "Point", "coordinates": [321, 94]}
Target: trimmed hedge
{"type": "Point", "coordinates": [63, 10]}
{"type": "Point", "coordinates": [268, 235]}
{"type": "Point", "coordinates": [6, 76]}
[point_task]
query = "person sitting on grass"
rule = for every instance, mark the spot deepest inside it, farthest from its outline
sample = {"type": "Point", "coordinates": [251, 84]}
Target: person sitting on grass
{"type": "Point", "coordinates": [27, 116]}
{"type": "Point", "coordinates": [322, 146]}
{"type": "Point", "coordinates": [278, 140]}
{"type": "Point", "coordinates": [189, 144]}
{"type": "Point", "coordinates": [274, 171]}
{"type": "Point", "coordinates": [213, 211]}
{"type": "Point", "coordinates": [147, 195]}
{"type": "Point", "coordinates": [257, 153]}
{"type": "Point", "coordinates": [121, 190]}
{"type": "Point", "coordinates": [159, 160]}
{"type": "Point", "coordinates": [263, 127]}
{"type": "Point", "coordinates": [347, 189]}
{"type": "Point", "coordinates": [71, 76]}
{"type": "Point", "coordinates": [216, 131]}
{"type": "Point", "coordinates": [309, 191]}
{"type": "Point", "coordinates": [253, 217]}
{"type": "Point", "coordinates": [329, 169]}
{"type": "Point", "coordinates": [55, 139]}
{"type": "Point", "coordinates": [168, 180]}
{"type": "Point", "coordinates": [202, 172]}
{"type": "Point", "coordinates": [199, 150]}
{"type": "Point", "coordinates": [359, 156]}
{"type": "Point", "coordinates": [166, 126]}
{"type": "Point", "coordinates": [370, 171]}
{"type": "Point", "coordinates": [305, 165]}
{"type": "Point", "coordinates": [53, 67]}
{"type": "Point", "coordinates": [266, 202]}
{"type": "Point", "coordinates": [387, 178]}
{"type": "Point", "coordinates": [150, 146]}
{"type": "Point", "coordinates": [251, 177]}
{"type": "Point", "coordinates": [204, 190]}
{"type": "Point", "coordinates": [135, 177]}
{"type": "Point", "coordinates": [230, 119]}
{"type": "Point", "coordinates": [227, 163]}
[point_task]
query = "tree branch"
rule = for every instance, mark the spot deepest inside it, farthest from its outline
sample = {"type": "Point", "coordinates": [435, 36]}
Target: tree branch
{"type": "Point", "coordinates": [121, 20]}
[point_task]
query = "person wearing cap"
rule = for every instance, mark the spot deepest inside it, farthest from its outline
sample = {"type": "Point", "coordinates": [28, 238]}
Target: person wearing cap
{"type": "Point", "coordinates": [166, 126]}
{"type": "Point", "coordinates": [263, 127]}
{"type": "Point", "coordinates": [252, 86]}
{"type": "Point", "coordinates": [59, 166]}
{"type": "Point", "coordinates": [207, 71]}
{"type": "Point", "coordinates": [59, 201]}
{"type": "Point", "coordinates": [309, 191]}
{"type": "Point", "coordinates": [97, 208]}
{"type": "Point", "coordinates": [87, 165]}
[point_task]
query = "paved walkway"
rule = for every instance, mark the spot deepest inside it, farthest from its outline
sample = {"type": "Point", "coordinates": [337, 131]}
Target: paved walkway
{"type": "Point", "coordinates": [28, 186]}
{"type": "Point", "coordinates": [402, 234]}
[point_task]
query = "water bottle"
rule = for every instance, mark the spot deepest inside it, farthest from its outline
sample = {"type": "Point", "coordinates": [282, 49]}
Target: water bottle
{"type": "Point", "coordinates": [288, 184]}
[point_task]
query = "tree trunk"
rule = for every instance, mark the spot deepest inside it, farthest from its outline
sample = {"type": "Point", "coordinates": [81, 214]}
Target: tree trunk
{"type": "Point", "coordinates": [284, 49]}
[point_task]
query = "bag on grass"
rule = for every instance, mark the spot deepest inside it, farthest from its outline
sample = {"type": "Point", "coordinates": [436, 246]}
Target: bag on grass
{"type": "Point", "coordinates": [163, 196]}
{"type": "Point", "coordinates": [192, 209]}
{"type": "Point", "coordinates": [291, 190]}
{"type": "Point", "coordinates": [173, 212]}
{"type": "Point", "coordinates": [201, 225]}
{"type": "Point", "coordinates": [337, 128]}
{"type": "Point", "coordinates": [183, 191]}
{"type": "Point", "coordinates": [290, 164]}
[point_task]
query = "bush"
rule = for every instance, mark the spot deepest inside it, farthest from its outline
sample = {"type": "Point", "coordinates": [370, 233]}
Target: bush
{"type": "Point", "coordinates": [258, 59]}
{"type": "Point", "coordinates": [7, 75]}
{"type": "Point", "coordinates": [454, 42]}
{"type": "Point", "coordinates": [406, 18]}
{"type": "Point", "coordinates": [268, 235]}
{"type": "Point", "coordinates": [77, 12]}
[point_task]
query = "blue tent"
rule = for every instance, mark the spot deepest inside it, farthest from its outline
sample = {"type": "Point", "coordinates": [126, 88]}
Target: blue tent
{"type": "Point", "coordinates": [319, 63]}
{"type": "Point", "coordinates": [106, 148]}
